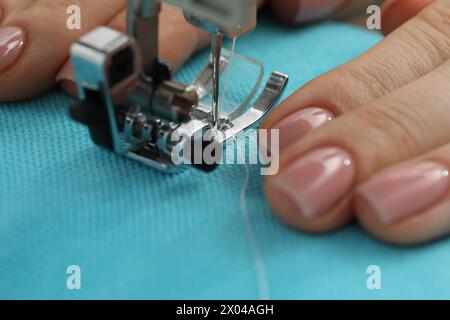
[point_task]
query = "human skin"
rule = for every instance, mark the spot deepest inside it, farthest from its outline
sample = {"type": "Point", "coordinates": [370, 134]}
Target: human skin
{"type": "Point", "coordinates": [384, 157]}
{"type": "Point", "coordinates": [368, 140]}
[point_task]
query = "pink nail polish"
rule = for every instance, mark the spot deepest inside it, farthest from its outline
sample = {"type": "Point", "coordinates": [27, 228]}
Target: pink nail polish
{"type": "Point", "coordinates": [12, 40]}
{"type": "Point", "coordinates": [318, 180]}
{"type": "Point", "coordinates": [293, 127]}
{"type": "Point", "coordinates": [405, 191]}
{"type": "Point", "coordinates": [66, 73]}
{"type": "Point", "coordinates": [310, 10]}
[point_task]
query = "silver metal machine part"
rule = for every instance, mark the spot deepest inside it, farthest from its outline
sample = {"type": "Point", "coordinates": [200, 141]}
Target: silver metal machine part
{"type": "Point", "coordinates": [143, 25]}
{"type": "Point", "coordinates": [131, 104]}
{"type": "Point", "coordinates": [216, 53]}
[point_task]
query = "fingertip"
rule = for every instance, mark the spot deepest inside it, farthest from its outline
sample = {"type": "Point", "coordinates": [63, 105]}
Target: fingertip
{"type": "Point", "coordinates": [311, 192]}
{"type": "Point", "coordinates": [405, 205]}
{"type": "Point", "coordinates": [12, 43]}
{"type": "Point", "coordinates": [288, 211]}
{"type": "Point", "coordinates": [69, 87]}
{"type": "Point", "coordinates": [367, 216]}
{"type": "Point", "coordinates": [66, 72]}
{"type": "Point", "coordinates": [295, 126]}
{"type": "Point", "coordinates": [399, 234]}
{"type": "Point", "coordinates": [66, 79]}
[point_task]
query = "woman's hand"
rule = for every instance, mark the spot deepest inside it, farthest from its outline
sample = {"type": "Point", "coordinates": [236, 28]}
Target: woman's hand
{"type": "Point", "coordinates": [382, 152]}
{"type": "Point", "coordinates": [388, 106]}
{"type": "Point", "coordinates": [35, 42]}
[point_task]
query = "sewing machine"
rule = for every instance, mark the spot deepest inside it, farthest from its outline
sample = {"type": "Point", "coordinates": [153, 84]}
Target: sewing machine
{"type": "Point", "coordinates": [130, 102]}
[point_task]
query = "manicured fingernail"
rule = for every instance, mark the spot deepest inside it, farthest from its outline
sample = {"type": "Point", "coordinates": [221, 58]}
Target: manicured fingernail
{"type": "Point", "coordinates": [12, 40]}
{"type": "Point", "coordinates": [310, 10]}
{"type": "Point", "coordinates": [405, 191]}
{"type": "Point", "coordinates": [66, 73]}
{"type": "Point", "coordinates": [317, 181]}
{"type": "Point", "coordinates": [296, 125]}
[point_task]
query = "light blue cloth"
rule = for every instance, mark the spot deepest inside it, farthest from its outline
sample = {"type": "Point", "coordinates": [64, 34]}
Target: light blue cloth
{"type": "Point", "coordinates": [139, 233]}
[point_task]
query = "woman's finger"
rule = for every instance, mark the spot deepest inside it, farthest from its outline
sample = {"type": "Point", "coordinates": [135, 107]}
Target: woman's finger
{"type": "Point", "coordinates": [410, 202]}
{"type": "Point", "coordinates": [178, 41]}
{"type": "Point", "coordinates": [40, 47]}
{"type": "Point", "coordinates": [413, 50]}
{"type": "Point", "coordinates": [318, 174]}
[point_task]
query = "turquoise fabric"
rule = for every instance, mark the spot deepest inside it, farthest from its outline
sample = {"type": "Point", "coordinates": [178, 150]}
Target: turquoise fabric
{"type": "Point", "coordinates": [139, 233]}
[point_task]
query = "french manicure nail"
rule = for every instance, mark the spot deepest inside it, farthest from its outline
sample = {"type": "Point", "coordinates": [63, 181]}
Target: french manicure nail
{"type": "Point", "coordinates": [12, 40]}
{"type": "Point", "coordinates": [403, 192]}
{"type": "Point", "coordinates": [317, 181]}
{"type": "Point", "coordinates": [66, 73]}
{"type": "Point", "coordinates": [296, 125]}
{"type": "Point", "coordinates": [310, 10]}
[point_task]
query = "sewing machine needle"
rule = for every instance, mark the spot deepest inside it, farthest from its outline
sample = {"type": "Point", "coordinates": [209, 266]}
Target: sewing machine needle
{"type": "Point", "coordinates": [216, 50]}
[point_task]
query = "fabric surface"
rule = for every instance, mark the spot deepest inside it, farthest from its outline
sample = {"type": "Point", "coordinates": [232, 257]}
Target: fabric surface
{"type": "Point", "coordinates": [139, 233]}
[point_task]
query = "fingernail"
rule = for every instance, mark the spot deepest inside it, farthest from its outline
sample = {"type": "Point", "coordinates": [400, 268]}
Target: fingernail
{"type": "Point", "coordinates": [12, 40]}
{"type": "Point", "coordinates": [403, 192]}
{"type": "Point", "coordinates": [310, 10]}
{"type": "Point", "coordinates": [317, 181]}
{"type": "Point", "coordinates": [66, 73]}
{"type": "Point", "coordinates": [296, 125]}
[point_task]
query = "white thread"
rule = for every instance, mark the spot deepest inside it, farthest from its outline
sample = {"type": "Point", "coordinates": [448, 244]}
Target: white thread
{"type": "Point", "coordinates": [263, 283]}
